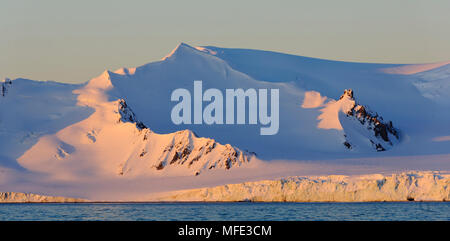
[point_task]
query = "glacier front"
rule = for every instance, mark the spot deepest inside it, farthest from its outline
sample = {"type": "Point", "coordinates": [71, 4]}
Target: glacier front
{"type": "Point", "coordinates": [407, 186]}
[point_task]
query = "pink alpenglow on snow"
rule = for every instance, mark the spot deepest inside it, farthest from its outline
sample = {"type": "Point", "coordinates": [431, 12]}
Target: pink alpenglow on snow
{"type": "Point", "coordinates": [113, 139]}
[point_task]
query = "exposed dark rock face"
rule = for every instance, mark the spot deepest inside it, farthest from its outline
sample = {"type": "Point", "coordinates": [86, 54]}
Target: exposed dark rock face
{"type": "Point", "coordinates": [347, 92]}
{"type": "Point", "coordinates": [382, 130]}
{"type": "Point", "coordinates": [5, 86]}
{"type": "Point", "coordinates": [348, 145]}
{"type": "Point", "coordinates": [185, 151]}
{"type": "Point", "coordinates": [127, 115]}
{"type": "Point", "coordinates": [160, 166]}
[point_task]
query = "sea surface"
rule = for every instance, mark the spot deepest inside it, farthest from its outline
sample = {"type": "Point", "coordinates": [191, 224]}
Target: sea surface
{"type": "Point", "coordinates": [227, 211]}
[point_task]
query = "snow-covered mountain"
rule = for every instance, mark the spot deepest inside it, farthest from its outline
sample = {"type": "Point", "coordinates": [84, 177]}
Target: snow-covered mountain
{"type": "Point", "coordinates": [113, 141]}
{"type": "Point", "coordinates": [117, 127]}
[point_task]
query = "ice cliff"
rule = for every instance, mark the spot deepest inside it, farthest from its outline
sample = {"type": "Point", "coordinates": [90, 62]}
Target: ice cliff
{"type": "Point", "coordinates": [18, 197]}
{"type": "Point", "coordinates": [408, 186]}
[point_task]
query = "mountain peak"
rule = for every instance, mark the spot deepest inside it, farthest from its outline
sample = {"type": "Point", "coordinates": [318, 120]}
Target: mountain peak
{"type": "Point", "coordinates": [183, 45]}
{"type": "Point", "coordinates": [181, 49]}
{"type": "Point", "coordinates": [347, 93]}
{"type": "Point", "coordinates": [103, 81]}
{"type": "Point", "coordinates": [362, 128]}
{"type": "Point", "coordinates": [383, 134]}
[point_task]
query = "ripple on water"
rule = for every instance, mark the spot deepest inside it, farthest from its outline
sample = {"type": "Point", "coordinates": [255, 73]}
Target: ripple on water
{"type": "Point", "coordinates": [228, 211]}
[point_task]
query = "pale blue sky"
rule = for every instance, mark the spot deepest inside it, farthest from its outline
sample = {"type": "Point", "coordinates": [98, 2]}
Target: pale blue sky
{"type": "Point", "coordinates": [73, 41]}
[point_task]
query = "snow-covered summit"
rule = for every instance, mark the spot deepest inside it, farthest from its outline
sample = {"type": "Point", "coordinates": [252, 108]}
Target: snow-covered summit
{"type": "Point", "coordinates": [181, 50]}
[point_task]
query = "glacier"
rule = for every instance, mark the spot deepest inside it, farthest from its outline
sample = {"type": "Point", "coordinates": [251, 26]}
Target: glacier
{"type": "Point", "coordinates": [400, 187]}
{"type": "Point", "coordinates": [17, 197]}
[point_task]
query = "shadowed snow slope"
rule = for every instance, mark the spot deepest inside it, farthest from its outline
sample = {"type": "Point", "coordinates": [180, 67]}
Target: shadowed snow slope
{"type": "Point", "coordinates": [31, 109]}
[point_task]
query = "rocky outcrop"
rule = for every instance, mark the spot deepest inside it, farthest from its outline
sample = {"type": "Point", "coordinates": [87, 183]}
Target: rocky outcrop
{"type": "Point", "coordinates": [383, 131]}
{"type": "Point", "coordinates": [6, 84]}
{"type": "Point", "coordinates": [180, 149]}
{"type": "Point", "coordinates": [127, 115]}
{"type": "Point", "coordinates": [19, 197]}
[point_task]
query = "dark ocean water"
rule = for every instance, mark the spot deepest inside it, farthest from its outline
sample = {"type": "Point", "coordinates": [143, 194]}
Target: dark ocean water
{"type": "Point", "coordinates": [228, 211]}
